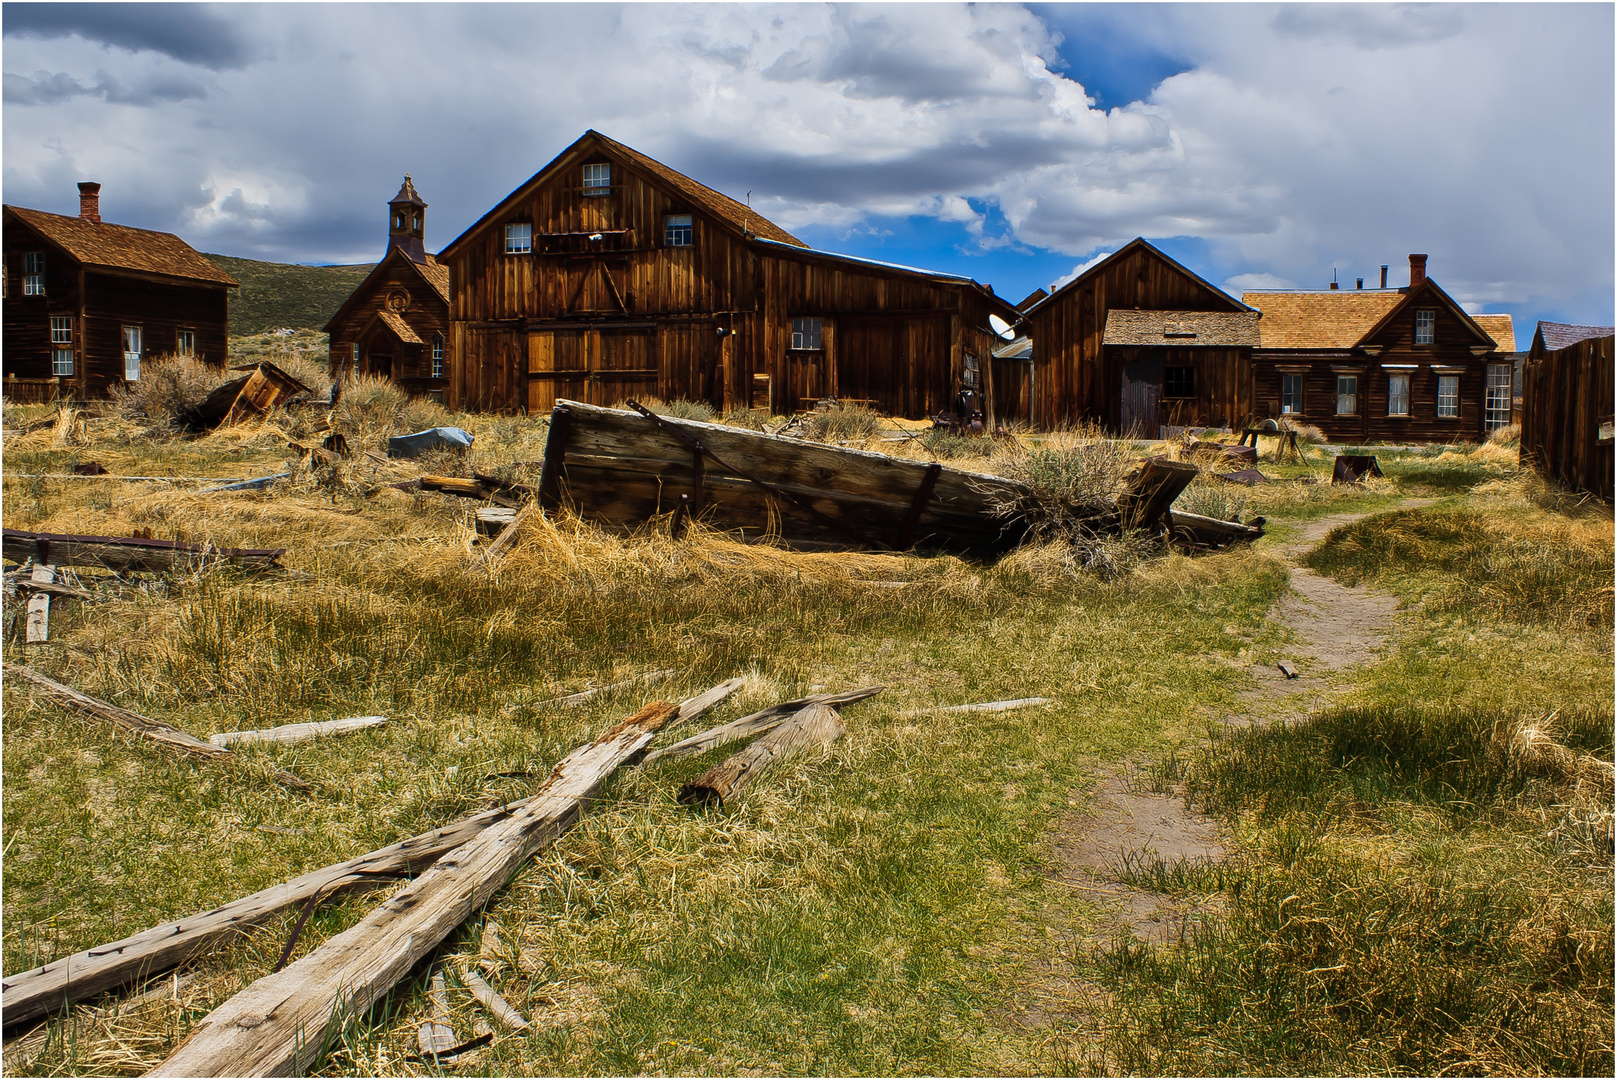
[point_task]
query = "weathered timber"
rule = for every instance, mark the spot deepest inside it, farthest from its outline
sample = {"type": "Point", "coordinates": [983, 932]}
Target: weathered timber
{"type": "Point", "coordinates": [981, 706]}
{"type": "Point", "coordinates": [585, 695]}
{"type": "Point", "coordinates": [490, 999]}
{"type": "Point", "coordinates": [619, 467]}
{"type": "Point", "coordinates": [39, 606]}
{"type": "Point", "coordinates": [1196, 530]}
{"type": "Point", "coordinates": [38, 992]}
{"type": "Point", "coordinates": [435, 1037]}
{"type": "Point", "coordinates": [808, 727]}
{"type": "Point", "coordinates": [287, 734]}
{"type": "Point", "coordinates": [493, 520]}
{"type": "Point", "coordinates": [755, 724]}
{"type": "Point", "coordinates": [277, 1024]}
{"type": "Point", "coordinates": [29, 585]}
{"type": "Point", "coordinates": [1353, 468]}
{"type": "Point", "coordinates": [263, 388]}
{"type": "Point", "coordinates": [503, 542]}
{"type": "Point", "coordinates": [1152, 490]}
{"type": "Point", "coordinates": [172, 738]}
{"type": "Point", "coordinates": [1287, 669]}
{"type": "Point", "coordinates": [126, 553]}
{"type": "Point", "coordinates": [511, 496]}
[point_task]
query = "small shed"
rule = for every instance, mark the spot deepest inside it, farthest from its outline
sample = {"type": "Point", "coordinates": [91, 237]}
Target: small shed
{"type": "Point", "coordinates": [1569, 397]}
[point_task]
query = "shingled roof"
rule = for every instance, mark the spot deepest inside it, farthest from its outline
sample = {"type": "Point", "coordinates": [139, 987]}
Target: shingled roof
{"type": "Point", "coordinates": [1557, 335]}
{"type": "Point", "coordinates": [432, 271]}
{"type": "Point", "coordinates": [120, 247]}
{"type": "Point", "coordinates": [1325, 319]}
{"type": "Point", "coordinates": [1206, 328]}
{"type": "Point", "coordinates": [1501, 328]}
{"type": "Point", "coordinates": [400, 328]}
{"type": "Point", "coordinates": [437, 275]}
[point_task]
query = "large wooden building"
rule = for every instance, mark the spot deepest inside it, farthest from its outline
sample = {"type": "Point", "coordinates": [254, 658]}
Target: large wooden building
{"type": "Point", "coordinates": [608, 275]}
{"type": "Point", "coordinates": [87, 301]}
{"type": "Point", "coordinates": [1135, 343]}
{"type": "Point", "coordinates": [396, 323]}
{"type": "Point", "coordinates": [1388, 364]}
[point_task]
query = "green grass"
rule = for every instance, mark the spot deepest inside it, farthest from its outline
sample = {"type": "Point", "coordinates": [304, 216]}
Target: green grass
{"type": "Point", "coordinates": [276, 295]}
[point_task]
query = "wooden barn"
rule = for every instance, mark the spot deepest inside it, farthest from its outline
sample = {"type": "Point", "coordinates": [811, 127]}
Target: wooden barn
{"type": "Point", "coordinates": [1135, 343]}
{"type": "Point", "coordinates": [608, 275]}
{"type": "Point", "coordinates": [1387, 364]}
{"type": "Point", "coordinates": [1569, 398]}
{"type": "Point", "coordinates": [396, 323]}
{"type": "Point", "coordinates": [87, 301]}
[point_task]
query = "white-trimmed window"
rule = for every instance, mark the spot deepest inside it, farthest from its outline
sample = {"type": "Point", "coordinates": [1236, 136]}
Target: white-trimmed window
{"type": "Point", "coordinates": [805, 333]}
{"type": "Point", "coordinates": [678, 231]}
{"type": "Point", "coordinates": [131, 339]}
{"type": "Point", "coordinates": [1496, 409]}
{"type": "Point", "coordinates": [1425, 326]}
{"type": "Point", "coordinates": [1347, 395]}
{"type": "Point", "coordinates": [518, 238]}
{"type": "Point", "coordinates": [61, 361]}
{"type": "Point", "coordinates": [185, 342]}
{"type": "Point", "coordinates": [61, 344]}
{"type": "Point", "coordinates": [598, 179]}
{"type": "Point", "coordinates": [1398, 395]}
{"type": "Point", "coordinates": [1291, 395]}
{"type": "Point", "coordinates": [61, 329]}
{"type": "Point", "coordinates": [437, 356]}
{"type": "Point", "coordinates": [33, 273]}
{"type": "Point", "coordinates": [1448, 396]}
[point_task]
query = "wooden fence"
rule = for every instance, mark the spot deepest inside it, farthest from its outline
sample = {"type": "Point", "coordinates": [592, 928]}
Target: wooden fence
{"type": "Point", "coordinates": [1568, 400]}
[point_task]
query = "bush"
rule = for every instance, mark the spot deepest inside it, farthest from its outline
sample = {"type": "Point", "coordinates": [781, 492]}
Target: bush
{"type": "Point", "coordinates": [169, 387]}
{"type": "Point", "coordinates": [681, 409]}
{"type": "Point", "coordinates": [369, 408]}
{"type": "Point", "coordinates": [841, 423]}
{"type": "Point", "coordinates": [948, 445]}
{"type": "Point", "coordinates": [1212, 498]}
{"type": "Point", "coordinates": [751, 419]}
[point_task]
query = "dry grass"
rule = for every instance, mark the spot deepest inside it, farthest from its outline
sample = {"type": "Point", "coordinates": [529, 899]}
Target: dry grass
{"type": "Point", "coordinates": [169, 386]}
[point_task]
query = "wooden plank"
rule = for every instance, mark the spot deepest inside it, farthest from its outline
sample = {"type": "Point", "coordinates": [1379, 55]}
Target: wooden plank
{"type": "Point", "coordinates": [436, 1037]}
{"type": "Point", "coordinates": [288, 734]}
{"type": "Point", "coordinates": [1152, 490]}
{"type": "Point", "coordinates": [32, 994]}
{"type": "Point", "coordinates": [278, 1024]}
{"type": "Point", "coordinates": [127, 553]}
{"type": "Point", "coordinates": [806, 728]}
{"type": "Point", "coordinates": [503, 542]}
{"type": "Point", "coordinates": [756, 723]}
{"type": "Point", "coordinates": [39, 606]}
{"type": "Point", "coordinates": [981, 706]}
{"type": "Point", "coordinates": [496, 1005]}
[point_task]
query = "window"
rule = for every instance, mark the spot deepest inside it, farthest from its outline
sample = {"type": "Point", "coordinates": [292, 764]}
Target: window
{"type": "Point", "coordinates": [1291, 395]}
{"type": "Point", "coordinates": [1347, 395]}
{"type": "Point", "coordinates": [1179, 382]}
{"type": "Point", "coordinates": [131, 338]}
{"type": "Point", "coordinates": [518, 238]}
{"type": "Point", "coordinates": [61, 330]}
{"type": "Point", "coordinates": [597, 179]}
{"type": "Point", "coordinates": [61, 361]}
{"type": "Point", "coordinates": [185, 343]}
{"type": "Point", "coordinates": [1425, 326]}
{"type": "Point", "coordinates": [437, 356]}
{"type": "Point", "coordinates": [678, 231]}
{"type": "Point", "coordinates": [33, 273]}
{"type": "Point", "coordinates": [1448, 395]}
{"type": "Point", "coordinates": [1496, 411]}
{"type": "Point", "coordinates": [805, 333]}
{"type": "Point", "coordinates": [1397, 395]}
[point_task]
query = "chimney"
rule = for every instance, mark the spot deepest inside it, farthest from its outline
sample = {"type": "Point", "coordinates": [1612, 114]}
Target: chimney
{"type": "Point", "coordinates": [1333, 278]}
{"type": "Point", "coordinates": [1360, 283]}
{"type": "Point", "coordinates": [1417, 270]}
{"type": "Point", "coordinates": [90, 202]}
{"type": "Point", "coordinates": [1383, 275]}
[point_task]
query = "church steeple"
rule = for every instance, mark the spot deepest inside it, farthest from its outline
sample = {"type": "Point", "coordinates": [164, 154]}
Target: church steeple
{"type": "Point", "coordinates": [407, 215]}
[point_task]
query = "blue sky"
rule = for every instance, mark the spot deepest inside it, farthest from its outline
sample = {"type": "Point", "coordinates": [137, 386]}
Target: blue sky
{"type": "Point", "coordinates": [1263, 145]}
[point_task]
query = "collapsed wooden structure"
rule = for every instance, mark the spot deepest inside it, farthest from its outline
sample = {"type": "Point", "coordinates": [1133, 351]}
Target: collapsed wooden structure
{"type": "Point", "coordinates": [127, 553]}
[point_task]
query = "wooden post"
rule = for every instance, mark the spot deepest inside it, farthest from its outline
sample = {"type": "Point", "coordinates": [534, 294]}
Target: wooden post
{"type": "Point", "coordinates": [39, 606]}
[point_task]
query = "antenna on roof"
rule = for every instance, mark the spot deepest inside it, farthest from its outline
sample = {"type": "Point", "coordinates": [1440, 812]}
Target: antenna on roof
{"type": "Point", "coordinates": [746, 221]}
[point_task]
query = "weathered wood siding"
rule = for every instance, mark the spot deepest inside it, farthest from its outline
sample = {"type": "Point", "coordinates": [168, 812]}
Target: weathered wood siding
{"type": "Point", "coordinates": [426, 314]}
{"type": "Point", "coordinates": [1568, 400]}
{"type": "Point", "coordinates": [1222, 387]}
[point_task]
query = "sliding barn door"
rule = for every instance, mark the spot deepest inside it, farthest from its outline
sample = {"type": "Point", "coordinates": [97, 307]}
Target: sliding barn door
{"type": "Point", "coordinates": [557, 368]}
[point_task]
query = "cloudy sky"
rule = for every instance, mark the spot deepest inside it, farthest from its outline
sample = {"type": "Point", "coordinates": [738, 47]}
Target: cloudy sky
{"type": "Point", "coordinates": [1264, 146]}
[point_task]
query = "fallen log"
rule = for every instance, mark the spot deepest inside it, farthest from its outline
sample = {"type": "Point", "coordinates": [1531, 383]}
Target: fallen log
{"type": "Point", "coordinates": [288, 734]}
{"type": "Point", "coordinates": [279, 1024]}
{"type": "Point", "coordinates": [37, 992]}
{"type": "Point", "coordinates": [126, 552]}
{"type": "Point", "coordinates": [173, 738]}
{"type": "Point", "coordinates": [1195, 530]}
{"type": "Point", "coordinates": [756, 724]}
{"type": "Point", "coordinates": [808, 727]}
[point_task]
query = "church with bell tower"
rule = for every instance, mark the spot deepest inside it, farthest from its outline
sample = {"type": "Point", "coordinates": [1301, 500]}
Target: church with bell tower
{"type": "Point", "coordinates": [395, 325]}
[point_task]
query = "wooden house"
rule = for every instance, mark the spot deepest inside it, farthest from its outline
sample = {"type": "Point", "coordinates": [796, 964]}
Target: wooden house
{"type": "Point", "coordinates": [1569, 406]}
{"type": "Point", "coordinates": [1135, 343]}
{"type": "Point", "coordinates": [396, 323]}
{"type": "Point", "coordinates": [608, 275]}
{"type": "Point", "coordinates": [1389, 364]}
{"type": "Point", "coordinates": [87, 301]}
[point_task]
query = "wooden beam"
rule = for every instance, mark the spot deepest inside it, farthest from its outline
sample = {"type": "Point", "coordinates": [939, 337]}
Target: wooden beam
{"type": "Point", "coordinates": [124, 552]}
{"type": "Point", "coordinates": [755, 724]}
{"type": "Point", "coordinates": [288, 734]}
{"type": "Point", "coordinates": [808, 727]}
{"type": "Point", "coordinates": [279, 1024]}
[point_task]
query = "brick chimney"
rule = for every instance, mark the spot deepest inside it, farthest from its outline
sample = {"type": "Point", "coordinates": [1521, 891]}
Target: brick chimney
{"type": "Point", "coordinates": [90, 201]}
{"type": "Point", "coordinates": [1383, 275]}
{"type": "Point", "coordinates": [1417, 270]}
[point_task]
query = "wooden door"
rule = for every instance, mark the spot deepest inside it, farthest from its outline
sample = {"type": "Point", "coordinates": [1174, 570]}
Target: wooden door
{"type": "Point", "coordinates": [623, 364]}
{"type": "Point", "coordinates": [557, 368]}
{"type": "Point", "coordinates": [1142, 390]}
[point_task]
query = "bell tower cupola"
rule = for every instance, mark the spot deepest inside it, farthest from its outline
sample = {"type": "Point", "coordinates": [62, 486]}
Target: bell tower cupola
{"type": "Point", "coordinates": [407, 214]}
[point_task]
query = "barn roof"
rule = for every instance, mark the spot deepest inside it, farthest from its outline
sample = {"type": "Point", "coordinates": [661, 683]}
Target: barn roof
{"type": "Point", "coordinates": [1139, 243]}
{"type": "Point", "coordinates": [121, 247]}
{"type": "Point", "coordinates": [1557, 335]}
{"type": "Point", "coordinates": [1319, 319]}
{"type": "Point", "coordinates": [802, 251]}
{"type": "Point", "coordinates": [1205, 328]}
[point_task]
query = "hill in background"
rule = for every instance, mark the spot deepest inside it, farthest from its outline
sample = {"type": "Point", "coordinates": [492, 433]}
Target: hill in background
{"type": "Point", "coordinates": [276, 295]}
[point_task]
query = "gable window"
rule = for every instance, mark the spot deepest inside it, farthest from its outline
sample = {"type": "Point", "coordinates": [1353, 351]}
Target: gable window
{"type": "Point", "coordinates": [185, 343]}
{"type": "Point", "coordinates": [805, 333]}
{"type": "Point", "coordinates": [678, 231]}
{"type": "Point", "coordinates": [1179, 382]}
{"type": "Point", "coordinates": [1425, 326]}
{"type": "Point", "coordinates": [33, 273]}
{"type": "Point", "coordinates": [437, 356]}
{"type": "Point", "coordinates": [1448, 396]}
{"type": "Point", "coordinates": [131, 338]}
{"type": "Point", "coordinates": [1291, 395]}
{"type": "Point", "coordinates": [1397, 395]}
{"type": "Point", "coordinates": [597, 179]}
{"type": "Point", "coordinates": [1347, 395]}
{"type": "Point", "coordinates": [518, 238]}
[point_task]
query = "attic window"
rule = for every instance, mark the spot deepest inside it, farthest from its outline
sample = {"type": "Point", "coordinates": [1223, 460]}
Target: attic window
{"type": "Point", "coordinates": [1425, 326]}
{"type": "Point", "coordinates": [678, 231]}
{"type": "Point", "coordinates": [597, 179]}
{"type": "Point", "coordinates": [518, 238]}
{"type": "Point", "coordinates": [33, 273]}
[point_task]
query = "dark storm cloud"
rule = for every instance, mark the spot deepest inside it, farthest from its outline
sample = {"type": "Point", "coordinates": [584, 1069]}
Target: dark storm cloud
{"type": "Point", "coordinates": [45, 88]}
{"type": "Point", "coordinates": [191, 33]}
